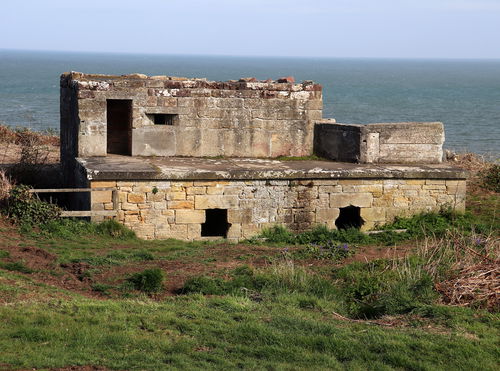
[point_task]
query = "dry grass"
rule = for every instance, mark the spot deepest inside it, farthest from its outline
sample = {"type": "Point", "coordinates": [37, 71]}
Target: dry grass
{"type": "Point", "coordinates": [6, 185]}
{"type": "Point", "coordinates": [466, 268]}
{"type": "Point", "coordinates": [24, 136]}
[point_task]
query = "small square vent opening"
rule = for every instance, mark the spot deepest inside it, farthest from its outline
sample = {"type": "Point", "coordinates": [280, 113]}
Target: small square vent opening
{"type": "Point", "coordinates": [349, 217]}
{"type": "Point", "coordinates": [216, 224]}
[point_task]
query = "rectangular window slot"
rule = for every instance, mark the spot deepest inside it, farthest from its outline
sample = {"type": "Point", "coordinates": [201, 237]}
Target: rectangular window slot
{"type": "Point", "coordinates": [162, 118]}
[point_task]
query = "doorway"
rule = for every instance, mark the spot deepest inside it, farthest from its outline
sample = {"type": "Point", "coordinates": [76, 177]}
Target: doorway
{"type": "Point", "coordinates": [119, 121]}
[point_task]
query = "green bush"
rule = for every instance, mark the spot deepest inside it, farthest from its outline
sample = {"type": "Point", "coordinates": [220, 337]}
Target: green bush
{"type": "Point", "coordinates": [149, 280]}
{"type": "Point", "coordinates": [25, 208]}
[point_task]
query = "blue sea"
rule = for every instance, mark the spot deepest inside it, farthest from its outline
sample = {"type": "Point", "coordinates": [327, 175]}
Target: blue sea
{"type": "Point", "coordinates": [463, 94]}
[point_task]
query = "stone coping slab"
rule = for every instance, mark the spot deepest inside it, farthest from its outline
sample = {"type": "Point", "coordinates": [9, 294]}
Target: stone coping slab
{"type": "Point", "coordinates": [115, 167]}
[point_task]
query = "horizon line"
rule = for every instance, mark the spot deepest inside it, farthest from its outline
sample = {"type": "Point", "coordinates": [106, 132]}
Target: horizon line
{"type": "Point", "coordinates": [246, 55]}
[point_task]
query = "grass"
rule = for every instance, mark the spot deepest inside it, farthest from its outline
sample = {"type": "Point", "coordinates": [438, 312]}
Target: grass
{"type": "Point", "coordinates": [199, 332]}
{"type": "Point", "coordinates": [291, 302]}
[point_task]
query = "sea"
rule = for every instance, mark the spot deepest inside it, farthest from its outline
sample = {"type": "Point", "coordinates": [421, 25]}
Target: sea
{"type": "Point", "coordinates": [463, 94]}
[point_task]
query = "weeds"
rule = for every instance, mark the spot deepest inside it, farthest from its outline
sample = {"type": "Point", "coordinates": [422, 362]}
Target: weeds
{"type": "Point", "coordinates": [148, 281]}
{"type": "Point", "coordinates": [16, 267]}
{"type": "Point", "coordinates": [416, 226]}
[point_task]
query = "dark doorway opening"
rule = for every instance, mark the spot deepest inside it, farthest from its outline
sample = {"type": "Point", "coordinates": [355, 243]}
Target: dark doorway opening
{"type": "Point", "coordinates": [119, 122]}
{"type": "Point", "coordinates": [216, 224]}
{"type": "Point", "coordinates": [349, 217]}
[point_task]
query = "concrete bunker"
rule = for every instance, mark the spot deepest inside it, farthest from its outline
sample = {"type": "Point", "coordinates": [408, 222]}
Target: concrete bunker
{"type": "Point", "coordinates": [194, 159]}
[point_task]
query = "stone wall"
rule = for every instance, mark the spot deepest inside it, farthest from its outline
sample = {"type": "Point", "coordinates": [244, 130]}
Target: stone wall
{"type": "Point", "coordinates": [245, 118]}
{"type": "Point", "coordinates": [402, 142]}
{"type": "Point", "coordinates": [177, 209]}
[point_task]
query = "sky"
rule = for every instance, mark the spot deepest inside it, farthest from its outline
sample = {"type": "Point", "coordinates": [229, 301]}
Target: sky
{"type": "Point", "coordinates": [303, 28]}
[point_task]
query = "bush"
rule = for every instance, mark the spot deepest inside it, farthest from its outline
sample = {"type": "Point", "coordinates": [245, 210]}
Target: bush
{"type": "Point", "coordinates": [149, 280]}
{"type": "Point", "coordinates": [25, 208]}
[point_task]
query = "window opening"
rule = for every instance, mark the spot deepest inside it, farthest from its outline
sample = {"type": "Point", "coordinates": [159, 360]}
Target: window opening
{"type": "Point", "coordinates": [162, 118]}
{"type": "Point", "coordinates": [216, 224]}
{"type": "Point", "coordinates": [349, 217]}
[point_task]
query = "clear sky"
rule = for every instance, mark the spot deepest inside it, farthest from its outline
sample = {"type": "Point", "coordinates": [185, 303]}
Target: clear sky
{"type": "Point", "coordinates": [309, 28]}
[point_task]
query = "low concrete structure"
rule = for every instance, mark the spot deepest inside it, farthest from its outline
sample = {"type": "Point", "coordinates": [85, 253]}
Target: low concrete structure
{"type": "Point", "coordinates": [154, 139]}
{"type": "Point", "coordinates": [396, 143]}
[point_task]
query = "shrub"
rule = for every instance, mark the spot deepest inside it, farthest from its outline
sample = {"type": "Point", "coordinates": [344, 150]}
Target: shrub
{"type": "Point", "coordinates": [25, 208]}
{"type": "Point", "coordinates": [149, 280]}
{"type": "Point", "coordinates": [114, 229]}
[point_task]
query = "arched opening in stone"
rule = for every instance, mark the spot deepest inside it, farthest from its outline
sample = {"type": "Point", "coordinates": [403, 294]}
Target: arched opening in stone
{"type": "Point", "coordinates": [216, 224]}
{"type": "Point", "coordinates": [349, 217]}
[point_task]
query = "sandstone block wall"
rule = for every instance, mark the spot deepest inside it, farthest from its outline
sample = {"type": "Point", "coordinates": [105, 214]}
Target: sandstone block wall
{"type": "Point", "coordinates": [245, 118]}
{"type": "Point", "coordinates": [403, 142]}
{"type": "Point", "coordinates": [177, 209]}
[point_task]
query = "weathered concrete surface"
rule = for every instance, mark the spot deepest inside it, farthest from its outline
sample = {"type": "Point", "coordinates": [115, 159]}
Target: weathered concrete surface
{"type": "Point", "coordinates": [167, 168]}
{"type": "Point", "coordinates": [245, 118]}
{"type": "Point", "coordinates": [402, 142]}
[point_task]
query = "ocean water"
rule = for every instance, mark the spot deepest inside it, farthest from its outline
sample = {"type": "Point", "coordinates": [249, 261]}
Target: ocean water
{"type": "Point", "coordinates": [463, 94]}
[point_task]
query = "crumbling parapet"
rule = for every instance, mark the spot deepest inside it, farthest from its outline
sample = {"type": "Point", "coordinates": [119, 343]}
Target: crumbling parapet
{"type": "Point", "coordinates": [171, 116]}
{"type": "Point", "coordinates": [402, 142]}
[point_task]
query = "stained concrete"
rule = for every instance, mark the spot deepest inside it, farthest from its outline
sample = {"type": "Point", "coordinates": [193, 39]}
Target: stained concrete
{"type": "Point", "coordinates": [115, 167]}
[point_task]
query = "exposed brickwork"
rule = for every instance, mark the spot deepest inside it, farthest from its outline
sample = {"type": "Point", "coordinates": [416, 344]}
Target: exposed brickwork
{"type": "Point", "coordinates": [173, 209]}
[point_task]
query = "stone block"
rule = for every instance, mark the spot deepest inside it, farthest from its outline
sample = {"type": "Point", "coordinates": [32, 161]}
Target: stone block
{"type": "Point", "coordinates": [327, 216]}
{"type": "Point", "coordinates": [338, 200]}
{"type": "Point", "coordinates": [102, 184]}
{"type": "Point", "coordinates": [240, 216]}
{"type": "Point", "coordinates": [189, 216]}
{"type": "Point", "coordinates": [158, 196]}
{"type": "Point", "coordinates": [194, 231]}
{"type": "Point", "coordinates": [180, 204]}
{"type": "Point", "coordinates": [373, 214]}
{"type": "Point", "coordinates": [196, 190]}
{"type": "Point", "coordinates": [216, 202]}
{"type": "Point", "coordinates": [136, 198]}
{"type": "Point", "coordinates": [234, 231]}
{"type": "Point", "coordinates": [217, 190]}
{"type": "Point", "coordinates": [101, 196]}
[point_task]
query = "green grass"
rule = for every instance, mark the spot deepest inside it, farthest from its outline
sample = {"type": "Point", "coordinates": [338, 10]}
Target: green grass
{"type": "Point", "coordinates": [292, 331]}
{"type": "Point", "coordinates": [418, 226]}
{"type": "Point", "coordinates": [280, 316]}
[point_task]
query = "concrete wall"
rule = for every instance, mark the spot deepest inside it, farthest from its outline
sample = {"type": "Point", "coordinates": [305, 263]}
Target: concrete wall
{"type": "Point", "coordinates": [402, 142]}
{"type": "Point", "coordinates": [176, 209]}
{"type": "Point", "coordinates": [245, 118]}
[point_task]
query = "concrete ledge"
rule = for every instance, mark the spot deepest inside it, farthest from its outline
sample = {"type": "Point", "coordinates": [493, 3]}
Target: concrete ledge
{"type": "Point", "coordinates": [401, 142]}
{"type": "Point", "coordinates": [176, 168]}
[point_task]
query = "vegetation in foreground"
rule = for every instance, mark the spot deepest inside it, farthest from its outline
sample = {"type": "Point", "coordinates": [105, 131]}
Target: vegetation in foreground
{"type": "Point", "coordinates": [76, 294]}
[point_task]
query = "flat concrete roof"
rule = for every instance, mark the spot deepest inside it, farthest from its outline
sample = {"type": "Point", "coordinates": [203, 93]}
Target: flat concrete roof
{"type": "Point", "coordinates": [115, 167]}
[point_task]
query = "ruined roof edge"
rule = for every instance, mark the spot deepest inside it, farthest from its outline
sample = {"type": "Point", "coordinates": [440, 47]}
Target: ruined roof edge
{"type": "Point", "coordinates": [286, 83]}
